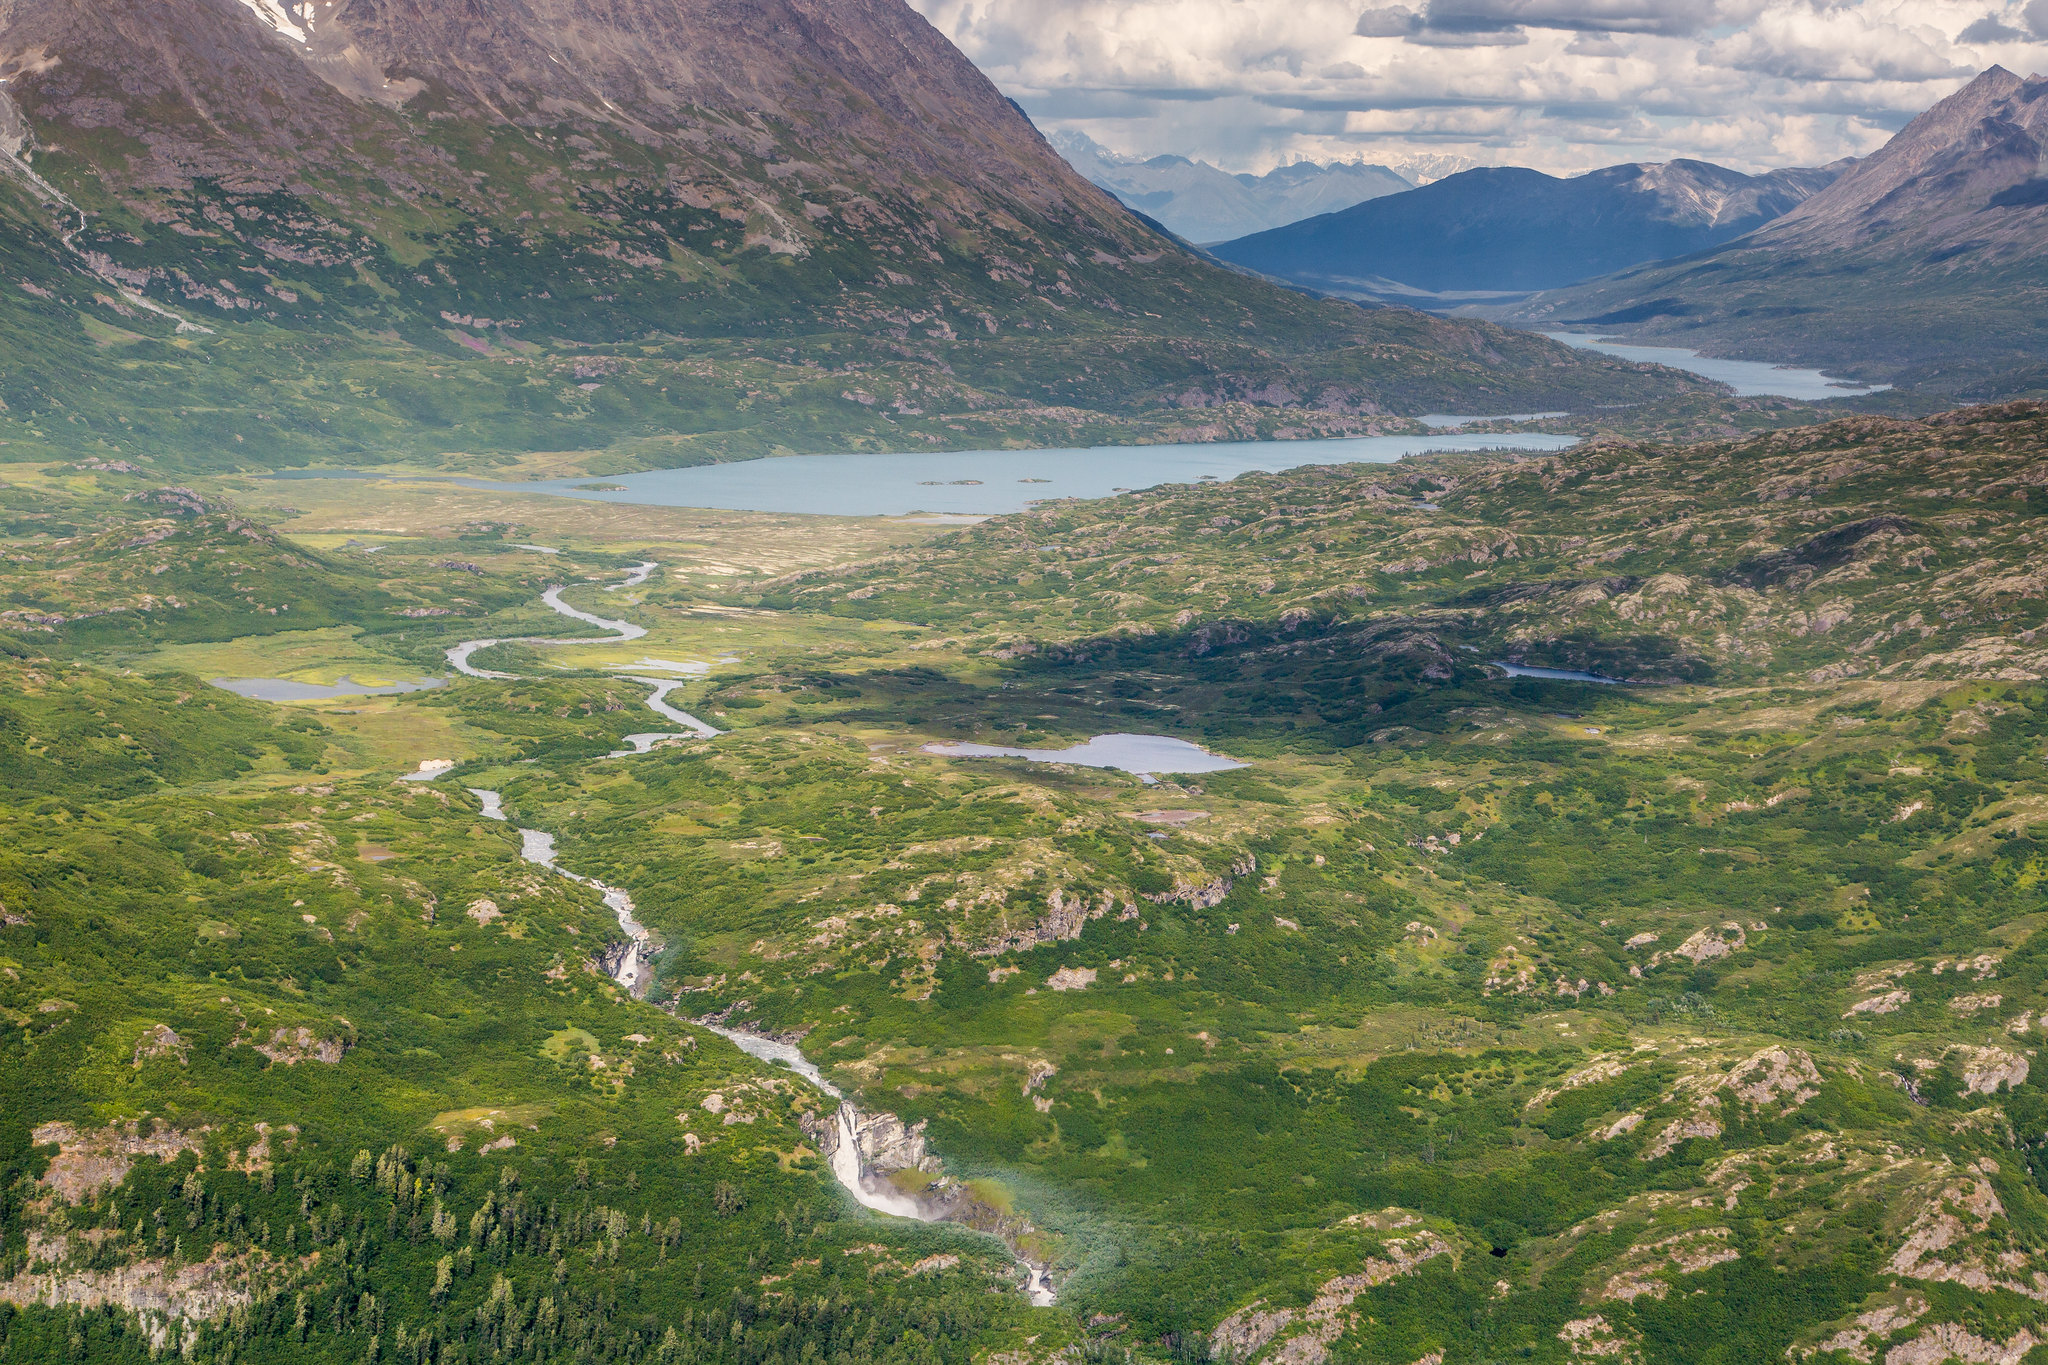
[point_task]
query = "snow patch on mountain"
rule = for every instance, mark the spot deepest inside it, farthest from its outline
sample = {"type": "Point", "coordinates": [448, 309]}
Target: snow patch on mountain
{"type": "Point", "coordinates": [293, 21]}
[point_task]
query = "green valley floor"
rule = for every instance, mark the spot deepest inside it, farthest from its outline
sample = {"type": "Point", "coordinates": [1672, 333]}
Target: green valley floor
{"type": "Point", "coordinates": [1677, 1001]}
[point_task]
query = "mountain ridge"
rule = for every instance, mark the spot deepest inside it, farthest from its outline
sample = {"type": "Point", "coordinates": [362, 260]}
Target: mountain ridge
{"type": "Point", "coordinates": [1512, 229]}
{"type": "Point", "coordinates": [1203, 203]}
{"type": "Point", "coordinates": [1918, 267]}
{"type": "Point", "coordinates": [651, 233]}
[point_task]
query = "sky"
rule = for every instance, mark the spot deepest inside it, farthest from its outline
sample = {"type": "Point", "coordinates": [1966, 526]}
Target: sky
{"type": "Point", "coordinates": [1561, 85]}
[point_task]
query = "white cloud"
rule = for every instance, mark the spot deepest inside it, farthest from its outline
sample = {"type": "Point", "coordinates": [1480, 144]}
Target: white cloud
{"type": "Point", "coordinates": [1803, 43]}
{"type": "Point", "coordinates": [1562, 85]}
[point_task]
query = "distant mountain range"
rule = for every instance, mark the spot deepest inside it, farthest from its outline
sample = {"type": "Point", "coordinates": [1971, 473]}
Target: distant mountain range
{"type": "Point", "coordinates": [1206, 204]}
{"type": "Point", "coordinates": [1506, 229]}
{"type": "Point", "coordinates": [1926, 264]}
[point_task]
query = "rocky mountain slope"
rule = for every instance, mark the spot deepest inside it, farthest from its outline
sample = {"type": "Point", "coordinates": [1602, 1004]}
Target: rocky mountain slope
{"type": "Point", "coordinates": [1921, 265]}
{"type": "Point", "coordinates": [1204, 204]}
{"type": "Point", "coordinates": [1508, 229]}
{"type": "Point", "coordinates": [272, 231]}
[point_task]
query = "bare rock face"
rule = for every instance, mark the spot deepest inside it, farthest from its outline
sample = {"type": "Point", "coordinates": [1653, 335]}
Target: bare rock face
{"type": "Point", "coordinates": [885, 1143]}
{"type": "Point", "coordinates": [1776, 1075]}
{"type": "Point", "coordinates": [778, 116]}
{"type": "Point", "coordinates": [90, 1160]}
{"type": "Point", "coordinates": [888, 1144]}
{"type": "Point", "coordinates": [1306, 1334]}
{"type": "Point", "coordinates": [1962, 170]}
{"type": "Point", "coordinates": [871, 76]}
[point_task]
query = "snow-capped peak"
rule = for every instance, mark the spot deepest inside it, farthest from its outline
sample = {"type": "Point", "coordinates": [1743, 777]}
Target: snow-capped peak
{"type": "Point", "coordinates": [281, 16]}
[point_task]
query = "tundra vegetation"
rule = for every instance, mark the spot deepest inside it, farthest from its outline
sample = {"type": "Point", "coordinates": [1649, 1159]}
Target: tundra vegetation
{"type": "Point", "coordinates": [1692, 1017]}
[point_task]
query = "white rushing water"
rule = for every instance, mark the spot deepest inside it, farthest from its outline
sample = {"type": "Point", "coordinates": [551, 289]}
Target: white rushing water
{"type": "Point", "coordinates": [537, 846]}
{"type": "Point", "coordinates": [633, 970]}
{"type": "Point", "coordinates": [869, 1190]}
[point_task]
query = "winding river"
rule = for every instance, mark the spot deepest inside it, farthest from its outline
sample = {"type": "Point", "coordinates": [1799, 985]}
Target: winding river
{"type": "Point", "coordinates": [633, 967]}
{"type": "Point", "coordinates": [621, 631]}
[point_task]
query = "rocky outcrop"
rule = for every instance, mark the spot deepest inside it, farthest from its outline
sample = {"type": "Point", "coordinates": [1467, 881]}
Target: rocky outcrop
{"type": "Point", "coordinates": [1698, 1124]}
{"type": "Point", "coordinates": [1776, 1075]}
{"type": "Point", "coordinates": [1644, 1268]}
{"type": "Point", "coordinates": [1856, 1340]}
{"type": "Point", "coordinates": [94, 1159]}
{"type": "Point", "coordinates": [164, 1298]}
{"type": "Point", "coordinates": [1064, 918]}
{"type": "Point", "coordinates": [1305, 1334]}
{"type": "Point", "coordinates": [1708, 944]}
{"type": "Point", "coordinates": [884, 1148]}
{"type": "Point", "coordinates": [888, 1144]}
{"type": "Point", "coordinates": [1959, 1234]}
{"type": "Point", "coordinates": [1594, 1338]}
{"type": "Point", "coordinates": [1987, 1070]}
{"type": "Point", "coordinates": [1071, 979]}
{"type": "Point", "coordinates": [1951, 1341]}
{"type": "Point", "coordinates": [161, 1041]}
{"type": "Point", "coordinates": [290, 1046]}
{"type": "Point", "coordinates": [1208, 894]}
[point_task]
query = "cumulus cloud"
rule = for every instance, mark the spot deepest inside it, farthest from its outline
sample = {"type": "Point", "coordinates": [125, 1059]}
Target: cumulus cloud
{"type": "Point", "coordinates": [1799, 44]}
{"type": "Point", "coordinates": [1990, 29]}
{"type": "Point", "coordinates": [1395, 21]}
{"type": "Point", "coordinates": [1563, 85]}
{"type": "Point", "coordinates": [1576, 16]}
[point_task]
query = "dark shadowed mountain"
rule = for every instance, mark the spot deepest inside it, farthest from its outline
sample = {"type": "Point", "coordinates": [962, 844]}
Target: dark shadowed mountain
{"type": "Point", "coordinates": [1205, 204]}
{"type": "Point", "coordinates": [279, 230]}
{"type": "Point", "coordinates": [1508, 229]}
{"type": "Point", "coordinates": [1925, 264]}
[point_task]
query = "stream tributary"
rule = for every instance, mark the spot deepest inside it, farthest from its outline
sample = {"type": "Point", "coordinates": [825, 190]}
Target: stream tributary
{"type": "Point", "coordinates": [632, 967]}
{"type": "Point", "coordinates": [850, 1128]}
{"type": "Point", "coordinates": [458, 659]}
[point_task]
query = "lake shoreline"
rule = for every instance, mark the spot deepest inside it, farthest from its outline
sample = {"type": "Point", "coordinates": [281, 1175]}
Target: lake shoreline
{"type": "Point", "coordinates": [971, 482]}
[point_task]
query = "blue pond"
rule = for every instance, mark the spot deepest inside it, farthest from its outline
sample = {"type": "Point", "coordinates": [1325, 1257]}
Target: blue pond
{"type": "Point", "coordinates": [1555, 674]}
{"type": "Point", "coordinates": [284, 689]}
{"type": "Point", "coordinates": [1140, 754]}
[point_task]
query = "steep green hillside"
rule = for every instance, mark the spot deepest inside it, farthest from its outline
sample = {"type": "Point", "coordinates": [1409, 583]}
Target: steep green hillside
{"type": "Point", "coordinates": [306, 1069]}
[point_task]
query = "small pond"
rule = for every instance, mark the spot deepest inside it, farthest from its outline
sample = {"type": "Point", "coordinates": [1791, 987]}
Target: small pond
{"type": "Point", "coordinates": [1556, 674]}
{"type": "Point", "coordinates": [1140, 754]}
{"type": "Point", "coordinates": [286, 689]}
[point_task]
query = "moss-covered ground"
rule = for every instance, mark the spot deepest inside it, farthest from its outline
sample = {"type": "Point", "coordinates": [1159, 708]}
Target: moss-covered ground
{"type": "Point", "coordinates": [1485, 1017]}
